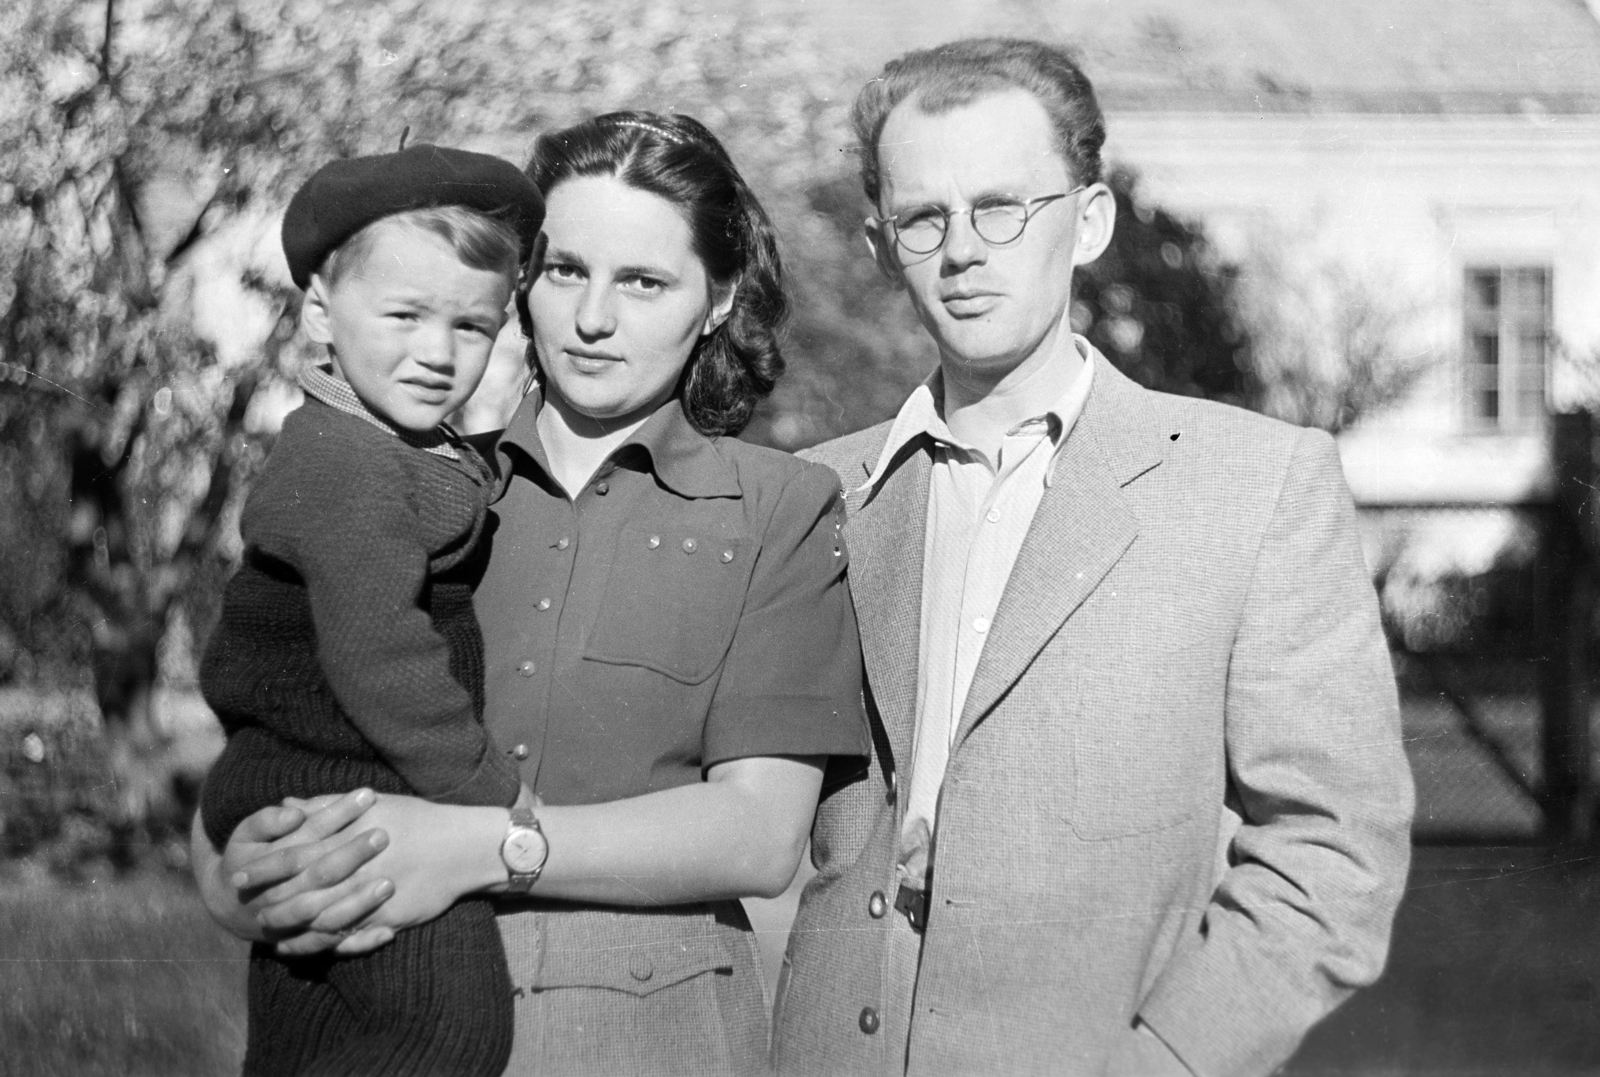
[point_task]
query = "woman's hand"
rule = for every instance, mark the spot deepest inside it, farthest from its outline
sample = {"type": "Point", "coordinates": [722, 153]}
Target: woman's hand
{"type": "Point", "coordinates": [420, 856]}
{"type": "Point", "coordinates": [298, 862]}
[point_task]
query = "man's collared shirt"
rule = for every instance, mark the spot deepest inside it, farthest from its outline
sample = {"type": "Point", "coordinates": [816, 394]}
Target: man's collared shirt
{"type": "Point", "coordinates": [318, 381]}
{"type": "Point", "coordinates": [979, 512]}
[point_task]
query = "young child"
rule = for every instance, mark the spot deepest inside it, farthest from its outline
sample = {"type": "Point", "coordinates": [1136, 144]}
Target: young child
{"type": "Point", "coordinates": [347, 653]}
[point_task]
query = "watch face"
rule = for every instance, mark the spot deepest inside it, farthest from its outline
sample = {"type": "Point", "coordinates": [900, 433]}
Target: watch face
{"type": "Point", "coordinates": [524, 850]}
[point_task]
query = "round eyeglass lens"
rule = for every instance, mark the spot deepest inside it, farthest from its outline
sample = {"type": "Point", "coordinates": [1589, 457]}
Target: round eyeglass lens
{"type": "Point", "coordinates": [922, 234]}
{"type": "Point", "coordinates": [1000, 222]}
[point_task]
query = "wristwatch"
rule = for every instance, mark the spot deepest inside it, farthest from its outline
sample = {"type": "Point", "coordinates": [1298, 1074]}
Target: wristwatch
{"type": "Point", "coordinates": [524, 850]}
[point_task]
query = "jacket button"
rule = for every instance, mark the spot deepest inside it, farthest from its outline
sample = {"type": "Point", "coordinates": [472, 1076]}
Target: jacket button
{"type": "Point", "coordinates": [602, 488]}
{"type": "Point", "coordinates": [521, 752]}
{"type": "Point", "coordinates": [690, 545]}
{"type": "Point", "coordinates": [869, 1020]}
{"type": "Point", "coordinates": [641, 968]}
{"type": "Point", "coordinates": [877, 905]}
{"type": "Point", "coordinates": [527, 669]}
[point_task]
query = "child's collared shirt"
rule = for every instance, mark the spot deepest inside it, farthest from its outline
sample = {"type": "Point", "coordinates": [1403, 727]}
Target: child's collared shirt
{"type": "Point", "coordinates": [318, 381]}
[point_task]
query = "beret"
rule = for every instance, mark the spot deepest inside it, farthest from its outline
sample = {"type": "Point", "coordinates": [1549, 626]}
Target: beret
{"type": "Point", "coordinates": [343, 197]}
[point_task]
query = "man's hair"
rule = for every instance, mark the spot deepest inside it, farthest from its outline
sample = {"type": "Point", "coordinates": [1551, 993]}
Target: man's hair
{"type": "Point", "coordinates": [955, 74]}
{"type": "Point", "coordinates": [481, 241]}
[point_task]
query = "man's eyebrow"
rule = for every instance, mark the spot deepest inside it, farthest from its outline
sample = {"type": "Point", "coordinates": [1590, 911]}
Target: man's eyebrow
{"type": "Point", "coordinates": [990, 192]}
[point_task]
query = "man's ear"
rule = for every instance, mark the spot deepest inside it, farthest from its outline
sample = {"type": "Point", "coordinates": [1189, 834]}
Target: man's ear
{"type": "Point", "coordinates": [722, 297]}
{"type": "Point", "coordinates": [314, 316]}
{"type": "Point", "coordinates": [1097, 219]}
{"type": "Point", "coordinates": [881, 243]}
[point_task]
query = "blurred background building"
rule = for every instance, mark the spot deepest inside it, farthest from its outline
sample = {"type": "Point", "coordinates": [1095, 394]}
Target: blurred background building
{"type": "Point", "coordinates": [1380, 217]}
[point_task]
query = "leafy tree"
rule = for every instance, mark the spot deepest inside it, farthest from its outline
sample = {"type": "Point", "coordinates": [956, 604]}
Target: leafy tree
{"type": "Point", "coordinates": [1330, 342]}
{"type": "Point", "coordinates": [1159, 303]}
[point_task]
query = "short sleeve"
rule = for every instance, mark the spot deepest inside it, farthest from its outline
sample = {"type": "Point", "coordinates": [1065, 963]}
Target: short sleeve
{"type": "Point", "coordinates": [791, 683]}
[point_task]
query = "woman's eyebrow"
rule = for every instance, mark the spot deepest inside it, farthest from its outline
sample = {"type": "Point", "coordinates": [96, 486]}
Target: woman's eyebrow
{"type": "Point", "coordinates": [644, 270]}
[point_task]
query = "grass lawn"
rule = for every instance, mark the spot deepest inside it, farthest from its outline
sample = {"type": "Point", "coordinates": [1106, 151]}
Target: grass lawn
{"type": "Point", "coordinates": [117, 977]}
{"type": "Point", "coordinates": [1495, 970]}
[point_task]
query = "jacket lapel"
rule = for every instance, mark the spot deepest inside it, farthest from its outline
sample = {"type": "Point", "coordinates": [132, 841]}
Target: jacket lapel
{"type": "Point", "coordinates": [1081, 529]}
{"type": "Point", "coordinates": [885, 534]}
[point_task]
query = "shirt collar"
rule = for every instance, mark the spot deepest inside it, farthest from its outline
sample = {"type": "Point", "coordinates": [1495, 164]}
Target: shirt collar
{"type": "Point", "coordinates": [922, 416]}
{"type": "Point", "coordinates": [319, 382]}
{"type": "Point", "coordinates": [685, 461]}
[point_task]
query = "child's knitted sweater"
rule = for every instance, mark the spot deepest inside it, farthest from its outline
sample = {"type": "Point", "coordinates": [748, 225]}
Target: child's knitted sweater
{"type": "Point", "coordinates": [348, 655]}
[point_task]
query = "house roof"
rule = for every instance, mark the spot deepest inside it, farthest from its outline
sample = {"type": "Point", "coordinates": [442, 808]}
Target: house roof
{"type": "Point", "coordinates": [1408, 56]}
{"type": "Point", "coordinates": [1339, 55]}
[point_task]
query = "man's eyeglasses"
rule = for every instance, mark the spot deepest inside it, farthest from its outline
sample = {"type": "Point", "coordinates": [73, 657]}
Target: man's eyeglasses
{"type": "Point", "coordinates": [921, 229]}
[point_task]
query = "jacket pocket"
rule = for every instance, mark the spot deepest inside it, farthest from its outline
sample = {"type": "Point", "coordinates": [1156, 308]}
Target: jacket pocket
{"type": "Point", "coordinates": [672, 601]}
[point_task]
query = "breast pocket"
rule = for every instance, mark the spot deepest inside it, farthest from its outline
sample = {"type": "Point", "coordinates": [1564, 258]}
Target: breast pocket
{"type": "Point", "coordinates": [672, 601]}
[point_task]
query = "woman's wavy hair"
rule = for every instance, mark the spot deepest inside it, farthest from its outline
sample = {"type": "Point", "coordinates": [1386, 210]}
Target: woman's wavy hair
{"type": "Point", "coordinates": [675, 157]}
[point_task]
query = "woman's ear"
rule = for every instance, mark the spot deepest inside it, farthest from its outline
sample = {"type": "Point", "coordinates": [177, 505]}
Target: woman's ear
{"type": "Point", "coordinates": [722, 297]}
{"type": "Point", "coordinates": [314, 316]}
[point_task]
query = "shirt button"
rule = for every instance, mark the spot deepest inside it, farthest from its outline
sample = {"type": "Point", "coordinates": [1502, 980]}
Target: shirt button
{"type": "Point", "coordinates": [868, 1020]}
{"type": "Point", "coordinates": [562, 543]}
{"type": "Point", "coordinates": [653, 541]}
{"type": "Point", "coordinates": [544, 603]}
{"type": "Point", "coordinates": [994, 516]}
{"type": "Point", "coordinates": [520, 751]}
{"type": "Point", "coordinates": [877, 905]}
{"type": "Point", "coordinates": [690, 545]}
{"type": "Point", "coordinates": [526, 668]}
{"type": "Point", "coordinates": [981, 624]}
{"type": "Point", "coordinates": [602, 488]}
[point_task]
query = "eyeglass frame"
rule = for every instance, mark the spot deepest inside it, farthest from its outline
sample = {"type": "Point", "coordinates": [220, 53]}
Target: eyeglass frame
{"type": "Point", "coordinates": [1030, 208]}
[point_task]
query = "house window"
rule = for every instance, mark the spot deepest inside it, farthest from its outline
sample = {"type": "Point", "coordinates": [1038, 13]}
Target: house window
{"type": "Point", "coordinates": [1507, 314]}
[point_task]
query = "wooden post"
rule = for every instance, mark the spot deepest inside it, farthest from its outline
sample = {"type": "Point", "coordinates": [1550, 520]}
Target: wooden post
{"type": "Point", "coordinates": [1568, 594]}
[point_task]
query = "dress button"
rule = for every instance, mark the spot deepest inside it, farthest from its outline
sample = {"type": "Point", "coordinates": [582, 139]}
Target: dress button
{"type": "Point", "coordinates": [653, 541]}
{"type": "Point", "coordinates": [877, 905]}
{"type": "Point", "coordinates": [527, 669]}
{"type": "Point", "coordinates": [562, 543]}
{"type": "Point", "coordinates": [690, 545]}
{"type": "Point", "coordinates": [544, 603]}
{"type": "Point", "coordinates": [520, 751]}
{"type": "Point", "coordinates": [602, 488]}
{"type": "Point", "coordinates": [868, 1020]}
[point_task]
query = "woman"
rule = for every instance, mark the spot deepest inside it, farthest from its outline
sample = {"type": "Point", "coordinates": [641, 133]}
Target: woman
{"type": "Point", "coordinates": [670, 648]}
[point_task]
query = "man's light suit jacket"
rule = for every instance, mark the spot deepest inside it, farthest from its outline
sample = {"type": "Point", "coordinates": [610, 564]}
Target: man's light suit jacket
{"type": "Point", "coordinates": [1189, 639]}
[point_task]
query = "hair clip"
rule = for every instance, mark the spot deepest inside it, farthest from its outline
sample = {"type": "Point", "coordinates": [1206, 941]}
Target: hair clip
{"type": "Point", "coordinates": [660, 132]}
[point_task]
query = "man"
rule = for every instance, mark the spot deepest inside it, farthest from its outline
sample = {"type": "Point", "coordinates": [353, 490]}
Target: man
{"type": "Point", "coordinates": [1138, 803]}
